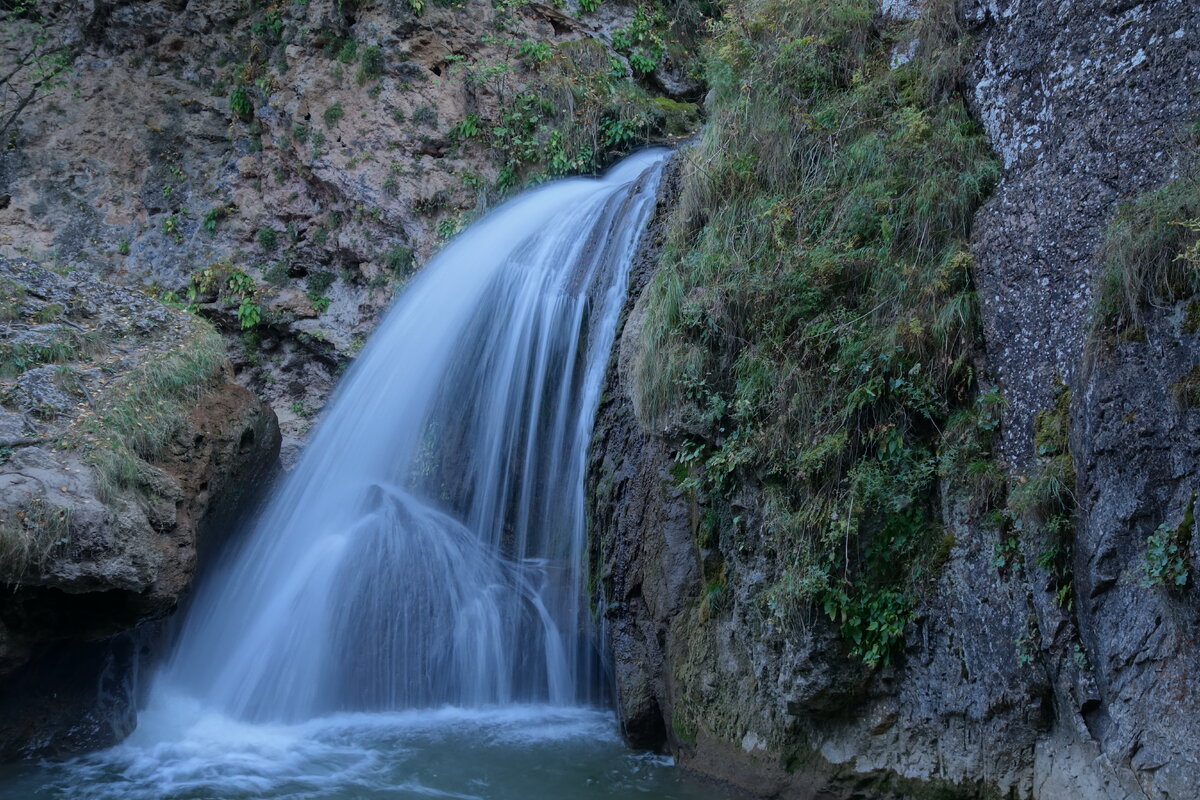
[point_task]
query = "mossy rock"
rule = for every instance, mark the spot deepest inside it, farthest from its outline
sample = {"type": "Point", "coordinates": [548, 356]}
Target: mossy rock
{"type": "Point", "coordinates": [677, 119]}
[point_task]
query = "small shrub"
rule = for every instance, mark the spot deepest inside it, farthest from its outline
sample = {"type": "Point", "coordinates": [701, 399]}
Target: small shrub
{"type": "Point", "coordinates": [319, 282]}
{"type": "Point", "coordinates": [370, 65]}
{"type": "Point", "coordinates": [239, 104]}
{"type": "Point", "coordinates": [426, 116]}
{"type": "Point", "coordinates": [347, 51]}
{"type": "Point", "coordinates": [268, 239]}
{"type": "Point", "coordinates": [333, 115]}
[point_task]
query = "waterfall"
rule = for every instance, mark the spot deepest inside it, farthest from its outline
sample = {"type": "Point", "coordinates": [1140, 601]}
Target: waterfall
{"type": "Point", "coordinates": [428, 549]}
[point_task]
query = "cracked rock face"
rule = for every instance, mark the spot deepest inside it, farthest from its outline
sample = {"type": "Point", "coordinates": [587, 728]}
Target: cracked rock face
{"type": "Point", "coordinates": [1087, 107]}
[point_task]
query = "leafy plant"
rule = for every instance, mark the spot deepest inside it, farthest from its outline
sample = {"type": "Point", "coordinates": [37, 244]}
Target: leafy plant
{"type": "Point", "coordinates": [249, 313]}
{"type": "Point", "coordinates": [1165, 561]}
{"type": "Point", "coordinates": [239, 104]}
{"type": "Point", "coordinates": [467, 129]}
{"type": "Point", "coordinates": [533, 53]}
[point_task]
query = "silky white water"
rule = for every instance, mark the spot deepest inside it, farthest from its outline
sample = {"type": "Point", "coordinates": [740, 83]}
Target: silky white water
{"type": "Point", "coordinates": [407, 617]}
{"type": "Point", "coordinates": [428, 548]}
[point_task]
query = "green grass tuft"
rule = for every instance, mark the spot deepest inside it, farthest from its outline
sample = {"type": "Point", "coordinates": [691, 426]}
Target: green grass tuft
{"type": "Point", "coordinates": [139, 413]}
{"type": "Point", "coordinates": [1150, 257]}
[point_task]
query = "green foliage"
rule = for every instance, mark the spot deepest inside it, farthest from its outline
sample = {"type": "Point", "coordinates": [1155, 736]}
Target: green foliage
{"type": "Point", "coordinates": [270, 26]}
{"type": "Point", "coordinates": [425, 115]}
{"type": "Point", "coordinates": [346, 50]}
{"type": "Point", "coordinates": [813, 324]}
{"type": "Point", "coordinates": [333, 115]}
{"type": "Point", "coordinates": [319, 282]}
{"type": "Point", "coordinates": [641, 41]}
{"type": "Point", "coordinates": [370, 65]}
{"type": "Point", "coordinates": [268, 239]}
{"type": "Point", "coordinates": [1151, 257]}
{"type": "Point", "coordinates": [172, 226]}
{"type": "Point", "coordinates": [249, 313]}
{"type": "Point", "coordinates": [239, 104]}
{"type": "Point", "coordinates": [1044, 502]}
{"type": "Point", "coordinates": [1166, 562]}
{"type": "Point", "coordinates": [533, 53]}
{"type": "Point", "coordinates": [467, 129]}
{"type": "Point", "coordinates": [213, 217]}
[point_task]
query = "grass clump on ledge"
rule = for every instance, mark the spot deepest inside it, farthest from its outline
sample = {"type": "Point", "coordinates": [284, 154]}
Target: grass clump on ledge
{"type": "Point", "coordinates": [813, 325]}
{"type": "Point", "coordinates": [29, 535]}
{"type": "Point", "coordinates": [138, 414]}
{"type": "Point", "coordinates": [1150, 257]}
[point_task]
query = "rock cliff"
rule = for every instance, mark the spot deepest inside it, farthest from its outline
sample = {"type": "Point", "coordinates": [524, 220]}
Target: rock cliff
{"type": "Point", "coordinates": [1038, 661]}
{"type": "Point", "coordinates": [127, 451]}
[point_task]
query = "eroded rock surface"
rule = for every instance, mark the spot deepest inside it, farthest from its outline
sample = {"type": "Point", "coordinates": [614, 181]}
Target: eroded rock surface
{"type": "Point", "coordinates": [86, 562]}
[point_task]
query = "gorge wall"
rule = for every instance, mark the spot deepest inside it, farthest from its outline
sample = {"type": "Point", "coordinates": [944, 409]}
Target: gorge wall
{"type": "Point", "coordinates": [1032, 657]}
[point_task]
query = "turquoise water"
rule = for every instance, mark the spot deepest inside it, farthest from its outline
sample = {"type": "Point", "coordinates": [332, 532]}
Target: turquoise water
{"type": "Point", "coordinates": [526, 753]}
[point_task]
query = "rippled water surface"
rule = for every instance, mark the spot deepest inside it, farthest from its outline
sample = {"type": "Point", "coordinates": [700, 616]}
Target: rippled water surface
{"type": "Point", "coordinates": [517, 752]}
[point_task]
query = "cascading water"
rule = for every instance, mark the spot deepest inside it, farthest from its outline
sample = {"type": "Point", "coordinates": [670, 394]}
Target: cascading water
{"type": "Point", "coordinates": [406, 618]}
{"type": "Point", "coordinates": [427, 550]}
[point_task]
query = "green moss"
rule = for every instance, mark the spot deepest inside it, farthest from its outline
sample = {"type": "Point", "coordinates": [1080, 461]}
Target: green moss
{"type": "Point", "coordinates": [813, 318]}
{"type": "Point", "coordinates": [678, 119]}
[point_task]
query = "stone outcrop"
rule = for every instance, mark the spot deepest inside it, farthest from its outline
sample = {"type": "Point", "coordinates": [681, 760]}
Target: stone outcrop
{"type": "Point", "coordinates": [88, 565]}
{"type": "Point", "coordinates": [1003, 689]}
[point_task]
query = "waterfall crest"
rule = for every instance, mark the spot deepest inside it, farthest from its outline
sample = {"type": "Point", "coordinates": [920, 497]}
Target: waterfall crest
{"type": "Point", "coordinates": [428, 549]}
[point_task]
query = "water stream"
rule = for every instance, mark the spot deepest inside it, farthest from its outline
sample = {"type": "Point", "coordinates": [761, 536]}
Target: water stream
{"type": "Point", "coordinates": [407, 617]}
